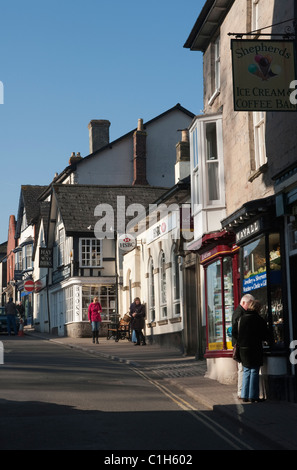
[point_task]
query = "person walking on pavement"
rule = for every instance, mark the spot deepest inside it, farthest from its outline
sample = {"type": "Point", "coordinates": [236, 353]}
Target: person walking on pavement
{"type": "Point", "coordinates": [94, 316]}
{"type": "Point", "coordinates": [239, 311]}
{"type": "Point", "coordinates": [11, 312]}
{"type": "Point", "coordinates": [252, 332]}
{"type": "Point", "coordinates": [137, 312]}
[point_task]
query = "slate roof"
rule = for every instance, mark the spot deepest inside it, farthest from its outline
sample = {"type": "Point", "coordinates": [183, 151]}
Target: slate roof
{"type": "Point", "coordinates": [78, 202]}
{"type": "Point", "coordinates": [29, 201]}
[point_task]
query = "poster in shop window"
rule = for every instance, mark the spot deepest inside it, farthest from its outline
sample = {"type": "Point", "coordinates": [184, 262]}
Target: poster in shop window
{"type": "Point", "coordinates": [262, 74]}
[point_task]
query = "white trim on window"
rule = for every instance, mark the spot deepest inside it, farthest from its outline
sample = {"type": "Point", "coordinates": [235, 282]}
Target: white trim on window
{"type": "Point", "coordinates": [176, 283]}
{"type": "Point", "coordinates": [207, 178]}
{"type": "Point", "coordinates": [151, 291]}
{"type": "Point", "coordinates": [163, 286]}
{"type": "Point", "coordinates": [90, 253]}
{"type": "Point", "coordinates": [259, 119]}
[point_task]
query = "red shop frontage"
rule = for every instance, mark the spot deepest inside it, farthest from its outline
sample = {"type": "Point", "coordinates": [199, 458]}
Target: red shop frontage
{"type": "Point", "coordinates": [220, 261]}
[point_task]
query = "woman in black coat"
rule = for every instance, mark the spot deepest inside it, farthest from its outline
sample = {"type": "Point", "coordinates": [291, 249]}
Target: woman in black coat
{"type": "Point", "coordinates": [137, 312]}
{"type": "Point", "coordinates": [252, 331]}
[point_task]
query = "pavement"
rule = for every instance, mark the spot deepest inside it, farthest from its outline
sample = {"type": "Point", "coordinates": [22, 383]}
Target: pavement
{"type": "Point", "coordinates": [272, 421]}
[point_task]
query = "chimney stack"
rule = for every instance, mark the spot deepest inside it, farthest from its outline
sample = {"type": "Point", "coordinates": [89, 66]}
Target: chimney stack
{"type": "Point", "coordinates": [98, 134]}
{"type": "Point", "coordinates": [182, 166]}
{"type": "Point", "coordinates": [139, 155]}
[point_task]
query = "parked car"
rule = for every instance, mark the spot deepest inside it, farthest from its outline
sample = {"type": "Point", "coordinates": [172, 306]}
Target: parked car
{"type": "Point", "coordinates": [3, 321]}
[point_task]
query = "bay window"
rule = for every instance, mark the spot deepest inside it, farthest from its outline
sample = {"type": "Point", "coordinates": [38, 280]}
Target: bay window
{"type": "Point", "coordinates": [207, 173]}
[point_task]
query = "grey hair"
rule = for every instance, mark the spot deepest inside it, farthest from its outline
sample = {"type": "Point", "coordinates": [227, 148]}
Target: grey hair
{"type": "Point", "coordinates": [247, 298]}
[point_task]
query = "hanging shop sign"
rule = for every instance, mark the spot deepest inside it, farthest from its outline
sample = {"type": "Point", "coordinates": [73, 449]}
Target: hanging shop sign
{"type": "Point", "coordinates": [45, 258]}
{"type": "Point", "coordinates": [262, 73]}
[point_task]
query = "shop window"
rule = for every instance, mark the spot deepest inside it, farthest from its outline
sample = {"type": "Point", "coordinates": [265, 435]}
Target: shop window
{"type": "Point", "coordinates": [163, 286]}
{"type": "Point", "coordinates": [107, 298]}
{"type": "Point", "coordinates": [262, 277]}
{"type": "Point", "coordinates": [151, 291]}
{"type": "Point", "coordinates": [176, 284]}
{"type": "Point", "coordinates": [69, 304]}
{"type": "Point", "coordinates": [220, 304]}
{"type": "Point", "coordinates": [276, 289]}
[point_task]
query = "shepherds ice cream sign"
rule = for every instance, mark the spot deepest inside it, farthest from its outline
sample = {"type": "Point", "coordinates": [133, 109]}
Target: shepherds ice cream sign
{"type": "Point", "coordinates": [262, 73]}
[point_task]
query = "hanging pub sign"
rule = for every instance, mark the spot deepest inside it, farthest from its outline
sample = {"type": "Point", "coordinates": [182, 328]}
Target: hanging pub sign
{"type": "Point", "coordinates": [262, 73]}
{"type": "Point", "coordinates": [45, 258]}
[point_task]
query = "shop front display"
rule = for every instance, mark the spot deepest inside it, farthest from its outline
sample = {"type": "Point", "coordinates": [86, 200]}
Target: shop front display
{"type": "Point", "coordinates": [220, 263]}
{"type": "Point", "coordinates": [260, 236]}
{"type": "Point", "coordinates": [262, 277]}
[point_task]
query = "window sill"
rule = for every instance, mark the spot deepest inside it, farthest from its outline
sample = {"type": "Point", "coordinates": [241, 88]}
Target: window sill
{"type": "Point", "coordinates": [91, 267]}
{"type": "Point", "coordinates": [162, 322]}
{"type": "Point", "coordinates": [175, 320]}
{"type": "Point", "coordinates": [256, 173]}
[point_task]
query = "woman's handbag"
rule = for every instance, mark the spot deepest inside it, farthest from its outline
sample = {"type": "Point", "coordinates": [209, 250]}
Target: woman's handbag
{"type": "Point", "coordinates": [126, 318]}
{"type": "Point", "coordinates": [236, 353]}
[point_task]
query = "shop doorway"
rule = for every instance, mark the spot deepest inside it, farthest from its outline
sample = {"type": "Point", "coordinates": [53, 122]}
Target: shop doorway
{"type": "Point", "coordinates": [191, 312]}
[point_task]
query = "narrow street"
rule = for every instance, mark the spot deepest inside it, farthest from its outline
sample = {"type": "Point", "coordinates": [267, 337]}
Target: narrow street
{"type": "Point", "coordinates": [59, 398]}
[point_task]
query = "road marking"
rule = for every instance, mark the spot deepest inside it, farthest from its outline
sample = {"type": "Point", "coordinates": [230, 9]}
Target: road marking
{"type": "Point", "coordinates": [186, 406]}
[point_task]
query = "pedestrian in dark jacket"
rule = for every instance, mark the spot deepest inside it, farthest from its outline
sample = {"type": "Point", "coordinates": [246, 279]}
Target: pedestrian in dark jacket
{"type": "Point", "coordinates": [251, 334]}
{"type": "Point", "coordinates": [11, 312]}
{"type": "Point", "coordinates": [239, 311]}
{"type": "Point", "coordinates": [137, 312]}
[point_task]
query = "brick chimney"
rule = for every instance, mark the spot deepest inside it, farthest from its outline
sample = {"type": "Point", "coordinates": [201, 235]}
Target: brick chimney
{"type": "Point", "coordinates": [98, 134]}
{"type": "Point", "coordinates": [182, 166]}
{"type": "Point", "coordinates": [139, 155]}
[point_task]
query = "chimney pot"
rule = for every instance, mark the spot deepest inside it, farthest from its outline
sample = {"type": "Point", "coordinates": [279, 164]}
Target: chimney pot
{"type": "Point", "coordinates": [140, 125]}
{"type": "Point", "coordinates": [75, 158]}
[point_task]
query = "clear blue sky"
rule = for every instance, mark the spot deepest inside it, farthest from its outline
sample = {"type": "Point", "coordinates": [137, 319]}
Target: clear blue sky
{"type": "Point", "coordinates": [66, 62]}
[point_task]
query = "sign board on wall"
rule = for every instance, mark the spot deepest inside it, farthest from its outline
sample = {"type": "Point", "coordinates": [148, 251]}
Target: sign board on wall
{"type": "Point", "coordinates": [45, 258]}
{"type": "Point", "coordinates": [262, 73]}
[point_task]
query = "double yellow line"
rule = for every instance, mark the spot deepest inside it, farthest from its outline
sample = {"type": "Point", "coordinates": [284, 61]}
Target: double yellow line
{"type": "Point", "coordinates": [221, 431]}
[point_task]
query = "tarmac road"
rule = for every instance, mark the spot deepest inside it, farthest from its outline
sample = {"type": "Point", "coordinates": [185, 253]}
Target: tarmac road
{"type": "Point", "coordinates": [61, 398]}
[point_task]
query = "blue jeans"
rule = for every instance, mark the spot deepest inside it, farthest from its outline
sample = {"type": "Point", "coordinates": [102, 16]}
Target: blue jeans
{"type": "Point", "coordinates": [95, 325]}
{"type": "Point", "coordinates": [11, 324]}
{"type": "Point", "coordinates": [250, 383]}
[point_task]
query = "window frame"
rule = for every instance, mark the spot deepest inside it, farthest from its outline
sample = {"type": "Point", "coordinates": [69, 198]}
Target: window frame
{"type": "Point", "coordinates": [163, 286]}
{"type": "Point", "coordinates": [259, 124]}
{"type": "Point", "coordinates": [199, 175]}
{"type": "Point", "coordinates": [151, 291]}
{"type": "Point", "coordinates": [93, 241]}
{"type": "Point", "coordinates": [176, 286]}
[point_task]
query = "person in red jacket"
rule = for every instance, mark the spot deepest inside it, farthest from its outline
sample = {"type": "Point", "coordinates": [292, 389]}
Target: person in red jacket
{"type": "Point", "coordinates": [94, 316]}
